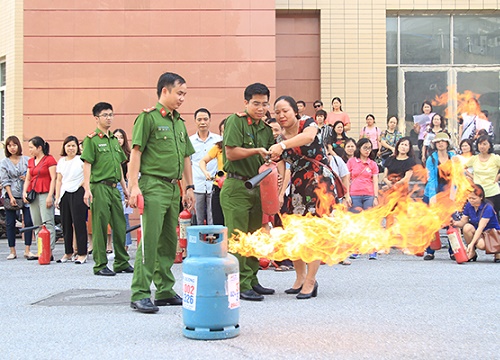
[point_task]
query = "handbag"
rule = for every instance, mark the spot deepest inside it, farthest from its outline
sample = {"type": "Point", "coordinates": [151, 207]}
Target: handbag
{"type": "Point", "coordinates": [491, 238]}
{"type": "Point", "coordinates": [7, 205]}
{"type": "Point", "coordinates": [492, 241]}
{"type": "Point", "coordinates": [31, 196]}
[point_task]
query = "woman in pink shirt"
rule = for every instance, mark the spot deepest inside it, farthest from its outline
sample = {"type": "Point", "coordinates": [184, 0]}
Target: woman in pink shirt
{"type": "Point", "coordinates": [338, 114]}
{"type": "Point", "coordinates": [364, 181]}
{"type": "Point", "coordinates": [371, 132]}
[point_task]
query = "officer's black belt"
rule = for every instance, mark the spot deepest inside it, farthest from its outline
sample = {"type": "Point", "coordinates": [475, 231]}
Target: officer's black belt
{"type": "Point", "coordinates": [238, 177]}
{"type": "Point", "coordinates": [166, 179]}
{"type": "Point", "coordinates": [105, 182]}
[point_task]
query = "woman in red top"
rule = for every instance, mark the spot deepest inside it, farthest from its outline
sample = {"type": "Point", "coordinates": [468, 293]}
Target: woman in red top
{"type": "Point", "coordinates": [41, 177]}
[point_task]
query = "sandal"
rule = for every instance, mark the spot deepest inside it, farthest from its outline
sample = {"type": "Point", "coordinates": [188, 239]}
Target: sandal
{"type": "Point", "coordinates": [282, 268]}
{"type": "Point", "coordinates": [345, 262]}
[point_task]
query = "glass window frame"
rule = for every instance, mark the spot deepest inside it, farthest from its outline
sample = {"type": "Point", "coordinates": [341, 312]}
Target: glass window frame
{"type": "Point", "coordinates": [452, 69]}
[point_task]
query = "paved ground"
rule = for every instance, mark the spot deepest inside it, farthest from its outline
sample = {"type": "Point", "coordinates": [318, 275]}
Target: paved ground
{"type": "Point", "coordinates": [398, 307]}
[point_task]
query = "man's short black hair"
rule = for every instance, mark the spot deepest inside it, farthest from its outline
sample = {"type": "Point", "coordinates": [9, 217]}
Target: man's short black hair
{"type": "Point", "coordinates": [321, 112]}
{"type": "Point", "coordinates": [301, 102]}
{"type": "Point", "coordinates": [202, 110]}
{"type": "Point", "coordinates": [96, 110]}
{"type": "Point", "coordinates": [256, 89]}
{"type": "Point", "coordinates": [168, 80]}
{"type": "Point", "coordinates": [318, 102]}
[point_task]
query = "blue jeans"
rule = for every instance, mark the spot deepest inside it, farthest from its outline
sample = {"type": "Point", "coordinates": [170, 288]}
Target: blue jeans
{"type": "Point", "coordinates": [361, 202]}
{"type": "Point", "coordinates": [10, 222]}
{"type": "Point", "coordinates": [128, 236]}
{"type": "Point", "coordinates": [426, 200]}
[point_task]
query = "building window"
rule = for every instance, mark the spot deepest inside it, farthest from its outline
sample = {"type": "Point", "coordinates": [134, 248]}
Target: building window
{"type": "Point", "coordinates": [2, 100]}
{"type": "Point", "coordinates": [430, 55]}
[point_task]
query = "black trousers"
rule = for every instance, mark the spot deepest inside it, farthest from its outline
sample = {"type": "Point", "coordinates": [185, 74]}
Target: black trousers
{"type": "Point", "coordinates": [74, 216]}
{"type": "Point", "coordinates": [217, 214]}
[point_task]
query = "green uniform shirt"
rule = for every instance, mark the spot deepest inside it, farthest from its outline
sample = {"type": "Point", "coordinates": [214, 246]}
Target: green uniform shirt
{"type": "Point", "coordinates": [163, 140]}
{"type": "Point", "coordinates": [240, 130]}
{"type": "Point", "coordinates": [105, 155]}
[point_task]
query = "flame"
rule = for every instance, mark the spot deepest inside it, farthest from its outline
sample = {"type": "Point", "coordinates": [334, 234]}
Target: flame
{"type": "Point", "coordinates": [333, 238]}
{"type": "Point", "coordinates": [466, 103]}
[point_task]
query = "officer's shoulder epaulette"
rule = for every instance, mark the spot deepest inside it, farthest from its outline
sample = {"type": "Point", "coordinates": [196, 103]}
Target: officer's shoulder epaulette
{"type": "Point", "coordinates": [91, 135]}
{"type": "Point", "coordinates": [241, 114]}
{"type": "Point", "coordinates": [152, 108]}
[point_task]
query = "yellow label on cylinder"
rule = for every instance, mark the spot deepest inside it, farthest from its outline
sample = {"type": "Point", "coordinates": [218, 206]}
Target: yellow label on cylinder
{"type": "Point", "coordinates": [39, 245]}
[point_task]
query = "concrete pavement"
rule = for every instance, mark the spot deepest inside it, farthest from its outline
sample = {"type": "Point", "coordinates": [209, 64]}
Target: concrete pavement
{"type": "Point", "coordinates": [398, 307]}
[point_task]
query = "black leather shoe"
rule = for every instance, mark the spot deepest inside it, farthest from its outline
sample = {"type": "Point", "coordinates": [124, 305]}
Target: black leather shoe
{"type": "Point", "coordinates": [144, 306]}
{"type": "Point", "coordinates": [173, 301]}
{"type": "Point", "coordinates": [259, 289]}
{"type": "Point", "coordinates": [105, 272]}
{"type": "Point", "coordinates": [129, 270]}
{"type": "Point", "coordinates": [293, 291]}
{"type": "Point", "coordinates": [251, 296]}
{"type": "Point", "coordinates": [314, 293]}
{"type": "Point", "coordinates": [429, 257]}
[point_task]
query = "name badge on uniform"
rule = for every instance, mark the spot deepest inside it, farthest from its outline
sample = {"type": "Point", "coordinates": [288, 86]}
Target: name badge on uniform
{"type": "Point", "coordinates": [163, 128]}
{"type": "Point", "coordinates": [103, 144]}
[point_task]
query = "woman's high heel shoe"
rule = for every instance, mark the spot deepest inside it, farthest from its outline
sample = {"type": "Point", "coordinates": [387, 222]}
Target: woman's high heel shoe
{"type": "Point", "coordinates": [474, 258]}
{"type": "Point", "coordinates": [293, 291]}
{"type": "Point", "coordinates": [83, 261]}
{"type": "Point", "coordinates": [314, 293]}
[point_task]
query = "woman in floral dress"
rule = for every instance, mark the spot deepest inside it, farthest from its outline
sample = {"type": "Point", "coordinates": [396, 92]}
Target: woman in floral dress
{"type": "Point", "coordinates": [300, 146]}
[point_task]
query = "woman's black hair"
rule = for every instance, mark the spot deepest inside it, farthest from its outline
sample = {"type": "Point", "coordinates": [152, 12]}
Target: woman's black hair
{"type": "Point", "coordinates": [125, 147]}
{"type": "Point", "coordinates": [340, 101]}
{"type": "Point", "coordinates": [344, 136]}
{"type": "Point", "coordinates": [410, 154]}
{"type": "Point", "coordinates": [483, 138]}
{"type": "Point", "coordinates": [291, 101]}
{"type": "Point", "coordinates": [479, 191]}
{"type": "Point", "coordinates": [359, 144]}
{"type": "Point", "coordinates": [37, 142]}
{"type": "Point", "coordinates": [67, 140]}
{"type": "Point", "coordinates": [469, 142]}
{"type": "Point", "coordinates": [392, 116]}
{"type": "Point", "coordinates": [13, 139]}
{"type": "Point", "coordinates": [425, 103]}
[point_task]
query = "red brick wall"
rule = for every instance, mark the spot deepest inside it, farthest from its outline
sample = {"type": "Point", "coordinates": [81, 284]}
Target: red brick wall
{"type": "Point", "coordinates": [77, 53]}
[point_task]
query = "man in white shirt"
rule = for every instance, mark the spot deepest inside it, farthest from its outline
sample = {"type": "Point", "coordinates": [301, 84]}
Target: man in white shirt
{"type": "Point", "coordinates": [203, 140]}
{"type": "Point", "coordinates": [301, 104]}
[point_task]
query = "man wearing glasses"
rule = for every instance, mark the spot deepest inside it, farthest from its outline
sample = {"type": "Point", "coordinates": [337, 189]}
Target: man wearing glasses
{"type": "Point", "coordinates": [318, 105]}
{"type": "Point", "coordinates": [246, 140]}
{"type": "Point", "coordinates": [102, 156]}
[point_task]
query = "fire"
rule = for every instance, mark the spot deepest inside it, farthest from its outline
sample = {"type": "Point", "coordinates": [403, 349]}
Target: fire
{"type": "Point", "coordinates": [466, 103]}
{"type": "Point", "coordinates": [333, 238]}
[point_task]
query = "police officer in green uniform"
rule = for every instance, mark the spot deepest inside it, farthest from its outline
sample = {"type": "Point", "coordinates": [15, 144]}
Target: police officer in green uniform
{"type": "Point", "coordinates": [246, 140]}
{"type": "Point", "coordinates": [161, 151]}
{"type": "Point", "coordinates": [102, 156]}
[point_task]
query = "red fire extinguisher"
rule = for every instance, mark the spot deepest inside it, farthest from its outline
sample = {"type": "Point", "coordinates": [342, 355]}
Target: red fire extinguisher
{"type": "Point", "coordinates": [184, 221]}
{"type": "Point", "coordinates": [457, 245]}
{"type": "Point", "coordinates": [178, 250]}
{"type": "Point", "coordinates": [44, 252]}
{"type": "Point", "coordinates": [140, 206]}
{"type": "Point", "coordinates": [269, 189]}
{"type": "Point", "coordinates": [436, 243]}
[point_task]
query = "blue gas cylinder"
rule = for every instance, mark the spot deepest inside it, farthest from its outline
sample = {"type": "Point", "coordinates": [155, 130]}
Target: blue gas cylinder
{"type": "Point", "coordinates": [211, 285]}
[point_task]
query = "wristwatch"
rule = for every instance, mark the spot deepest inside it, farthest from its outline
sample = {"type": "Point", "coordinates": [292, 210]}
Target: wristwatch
{"type": "Point", "coordinates": [282, 144]}
{"type": "Point", "coordinates": [189, 187]}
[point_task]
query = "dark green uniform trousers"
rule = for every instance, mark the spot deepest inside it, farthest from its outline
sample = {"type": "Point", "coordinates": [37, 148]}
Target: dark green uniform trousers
{"type": "Point", "coordinates": [242, 210]}
{"type": "Point", "coordinates": [159, 236]}
{"type": "Point", "coordinates": [107, 209]}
